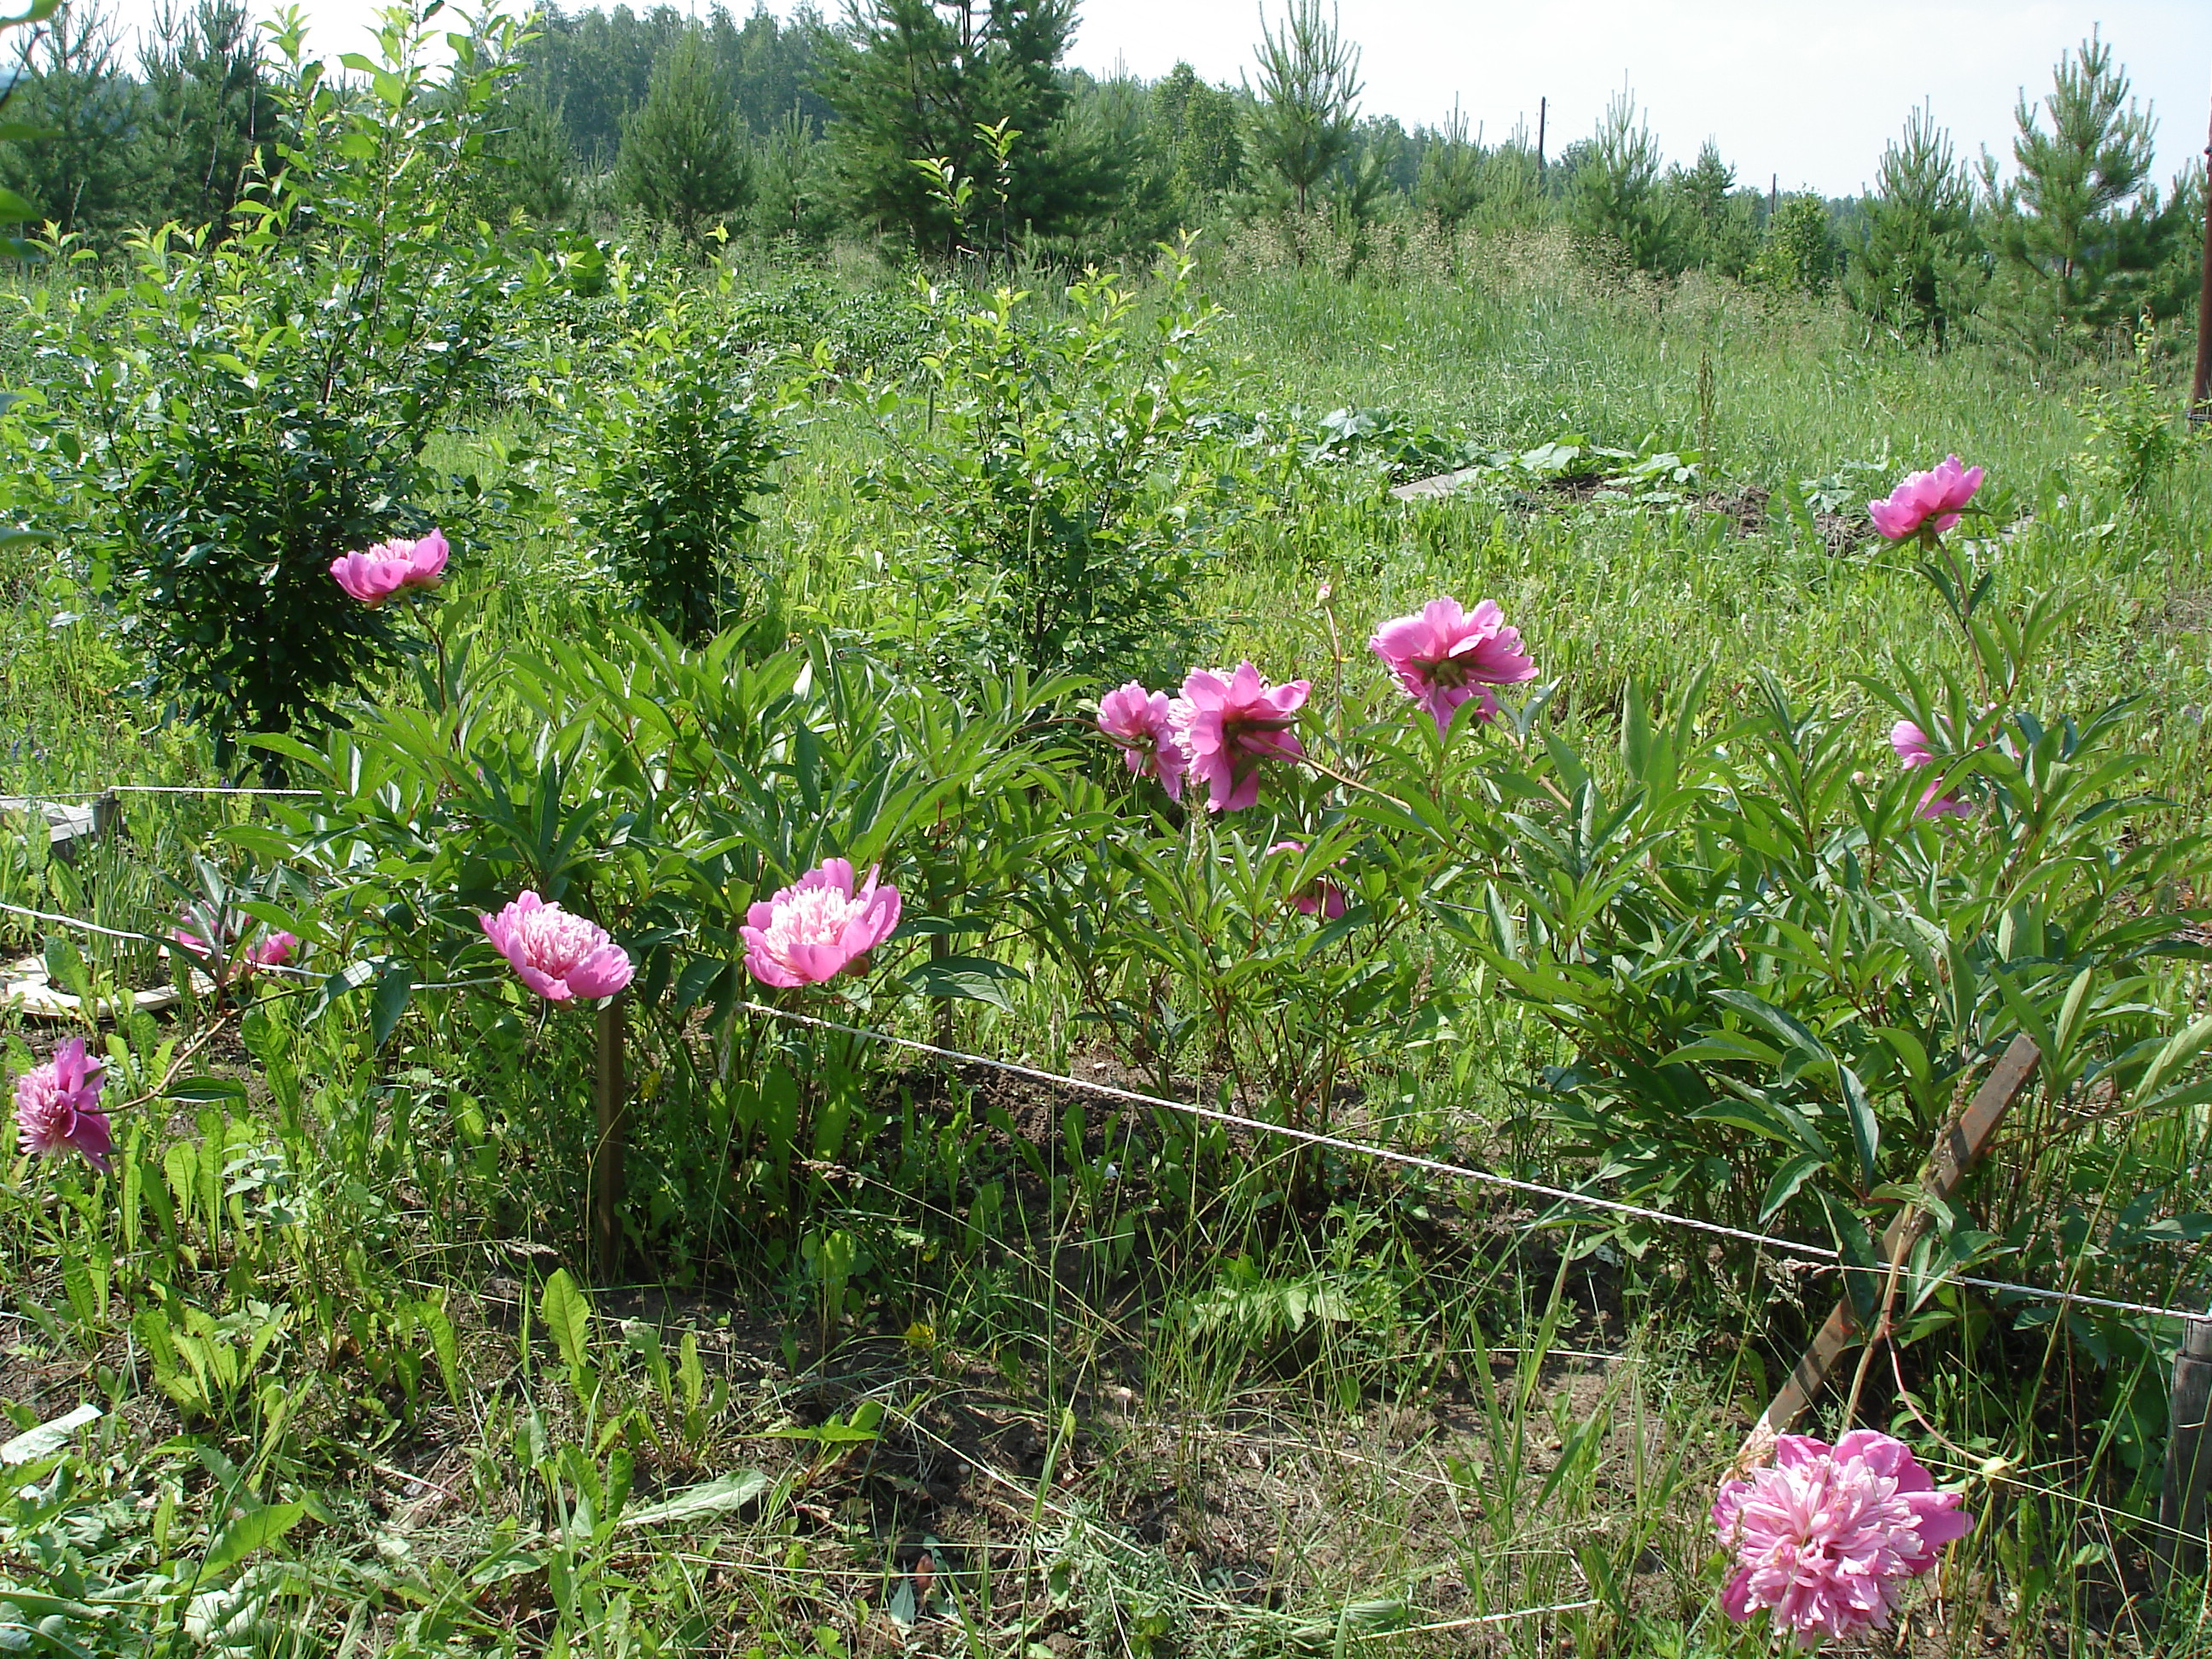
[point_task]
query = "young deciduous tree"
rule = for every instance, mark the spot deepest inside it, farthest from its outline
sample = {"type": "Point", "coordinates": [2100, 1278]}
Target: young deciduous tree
{"type": "Point", "coordinates": [1194, 128]}
{"type": "Point", "coordinates": [685, 159]}
{"type": "Point", "coordinates": [1800, 252]}
{"type": "Point", "coordinates": [1919, 270]}
{"type": "Point", "coordinates": [1309, 104]}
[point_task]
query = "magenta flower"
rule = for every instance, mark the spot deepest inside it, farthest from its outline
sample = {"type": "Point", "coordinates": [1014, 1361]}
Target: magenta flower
{"type": "Point", "coordinates": [1936, 496]}
{"type": "Point", "coordinates": [1444, 656]}
{"type": "Point", "coordinates": [1139, 722]}
{"type": "Point", "coordinates": [1914, 749]}
{"type": "Point", "coordinates": [557, 954]}
{"type": "Point", "coordinates": [818, 926]}
{"type": "Point", "coordinates": [1320, 896]}
{"type": "Point", "coordinates": [57, 1106]}
{"type": "Point", "coordinates": [1824, 1539]}
{"type": "Point", "coordinates": [271, 950]}
{"type": "Point", "coordinates": [1227, 724]}
{"type": "Point", "coordinates": [394, 567]}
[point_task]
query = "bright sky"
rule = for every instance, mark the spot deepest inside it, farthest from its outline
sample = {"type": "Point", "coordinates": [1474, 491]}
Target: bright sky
{"type": "Point", "coordinates": [1809, 90]}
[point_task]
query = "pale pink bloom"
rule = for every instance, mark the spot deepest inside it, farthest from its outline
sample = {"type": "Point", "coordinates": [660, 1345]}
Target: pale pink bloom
{"type": "Point", "coordinates": [1444, 656]}
{"type": "Point", "coordinates": [1914, 749]}
{"type": "Point", "coordinates": [1936, 496]}
{"type": "Point", "coordinates": [272, 950]}
{"type": "Point", "coordinates": [1227, 724]}
{"type": "Point", "coordinates": [557, 954]}
{"type": "Point", "coordinates": [58, 1106]}
{"type": "Point", "coordinates": [1139, 721]}
{"type": "Point", "coordinates": [1321, 897]}
{"type": "Point", "coordinates": [374, 574]}
{"type": "Point", "coordinates": [818, 926]}
{"type": "Point", "coordinates": [1825, 1539]}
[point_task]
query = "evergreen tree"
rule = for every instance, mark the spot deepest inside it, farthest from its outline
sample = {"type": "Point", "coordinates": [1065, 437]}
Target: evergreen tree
{"type": "Point", "coordinates": [683, 157]}
{"type": "Point", "coordinates": [211, 114]}
{"type": "Point", "coordinates": [2080, 226]}
{"type": "Point", "coordinates": [1308, 111]}
{"type": "Point", "coordinates": [84, 168]}
{"type": "Point", "coordinates": [533, 162]}
{"type": "Point", "coordinates": [1450, 186]}
{"type": "Point", "coordinates": [921, 80]}
{"type": "Point", "coordinates": [1919, 270]}
{"type": "Point", "coordinates": [792, 193]}
{"type": "Point", "coordinates": [1615, 196]}
{"type": "Point", "coordinates": [1716, 218]}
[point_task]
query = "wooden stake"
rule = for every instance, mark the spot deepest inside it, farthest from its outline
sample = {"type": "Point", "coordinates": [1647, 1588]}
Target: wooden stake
{"type": "Point", "coordinates": [2198, 413]}
{"type": "Point", "coordinates": [610, 1147]}
{"type": "Point", "coordinates": [2188, 1459]}
{"type": "Point", "coordinates": [1958, 1145]}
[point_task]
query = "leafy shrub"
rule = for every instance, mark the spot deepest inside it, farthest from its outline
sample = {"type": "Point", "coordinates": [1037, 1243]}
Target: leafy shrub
{"type": "Point", "coordinates": [679, 446]}
{"type": "Point", "coordinates": [258, 404]}
{"type": "Point", "coordinates": [1046, 474]}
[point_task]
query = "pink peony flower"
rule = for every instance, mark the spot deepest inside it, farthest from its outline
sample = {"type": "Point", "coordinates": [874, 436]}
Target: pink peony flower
{"type": "Point", "coordinates": [1227, 724]}
{"type": "Point", "coordinates": [1936, 496]}
{"type": "Point", "coordinates": [818, 926]}
{"type": "Point", "coordinates": [1914, 749]}
{"type": "Point", "coordinates": [58, 1106]}
{"type": "Point", "coordinates": [1139, 720]}
{"type": "Point", "coordinates": [1824, 1539]}
{"type": "Point", "coordinates": [271, 950]}
{"type": "Point", "coordinates": [1444, 656]}
{"type": "Point", "coordinates": [1321, 895]}
{"type": "Point", "coordinates": [394, 567]}
{"type": "Point", "coordinates": [557, 954]}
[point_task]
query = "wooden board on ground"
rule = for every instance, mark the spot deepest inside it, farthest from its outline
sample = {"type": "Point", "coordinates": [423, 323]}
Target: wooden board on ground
{"type": "Point", "coordinates": [70, 826]}
{"type": "Point", "coordinates": [25, 986]}
{"type": "Point", "coordinates": [1441, 484]}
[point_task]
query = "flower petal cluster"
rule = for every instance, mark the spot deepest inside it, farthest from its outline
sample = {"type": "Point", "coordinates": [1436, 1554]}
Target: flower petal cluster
{"type": "Point", "coordinates": [1141, 723]}
{"type": "Point", "coordinates": [1228, 722]}
{"type": "Point", "coordinates": [1444, 656]}
{"type": "Point", "coordinates": [1825, 1538]}
{"type": "Point", "coordinates": [1320, 897]}
{"type": "Point", "coordinates": [818, 926]}
{"type": "Point", "coordinates": [557, 954]}
{"type": "Point", "coordinates": [1935, 498]}
{"type": "Point", "coordinates": [271, 950]}
{"type": "Point", "coordinates": [1915, 750]}
{"type": "Point", "coordinates": [375, 573]}
{"type": "Point", "coordinates": [57, 1106]}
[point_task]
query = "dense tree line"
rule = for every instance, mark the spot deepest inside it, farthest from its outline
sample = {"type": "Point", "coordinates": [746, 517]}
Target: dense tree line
{"type": "Point", "coordinates": [953, 129]}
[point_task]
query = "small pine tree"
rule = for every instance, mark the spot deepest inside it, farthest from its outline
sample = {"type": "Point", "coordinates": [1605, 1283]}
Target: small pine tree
{"type": "Point", "coordinates": [1615, 196]}
{"type": "Point", "coordinates": [1307, 112]}
{"type": "Point", "coordinates": [1450, 187]}
{"type": "Point", "coordinates": [2081, 225]}
{"type": "Point", "coordinates": [80, 165]}
{"type": "Point", "coordinates": [211, 114]}
{"type": "Point", "coordinates": [685, 159]}
{"type": "Point", "coordinates": [1716, 217]}
{"type": "Point", "coordinates": [1919, 269]}
{"type": "Point", "coordinates": [792, 197]}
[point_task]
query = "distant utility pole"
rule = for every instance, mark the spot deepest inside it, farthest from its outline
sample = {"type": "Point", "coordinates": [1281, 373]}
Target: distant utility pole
{"type": "Point", "coordinates": [2198, 414]}
{"type": "Point", "coordinates": [1773, 196]}
{"type": "Point", "coordinates": [1542, 104]}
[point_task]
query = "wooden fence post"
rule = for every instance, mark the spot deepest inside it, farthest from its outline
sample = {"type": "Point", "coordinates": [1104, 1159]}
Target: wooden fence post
{"type": "Point", "coordinates": [1958, 1145]}
{"type": "Point", "coordinates": [2188, 1459]}
{"type": "Point", "coordinates": [610, 1145]}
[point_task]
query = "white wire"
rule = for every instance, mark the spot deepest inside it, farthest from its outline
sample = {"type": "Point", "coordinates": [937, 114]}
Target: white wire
{"type": "Point", "coordinates": [82, 925]}
{"type": "Point", "coordinates": [1819, 1253]}
{"type": "Point", "coordinates": [1485, 1177]}
{"type": "Point", "coordinates": [159, 789]}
